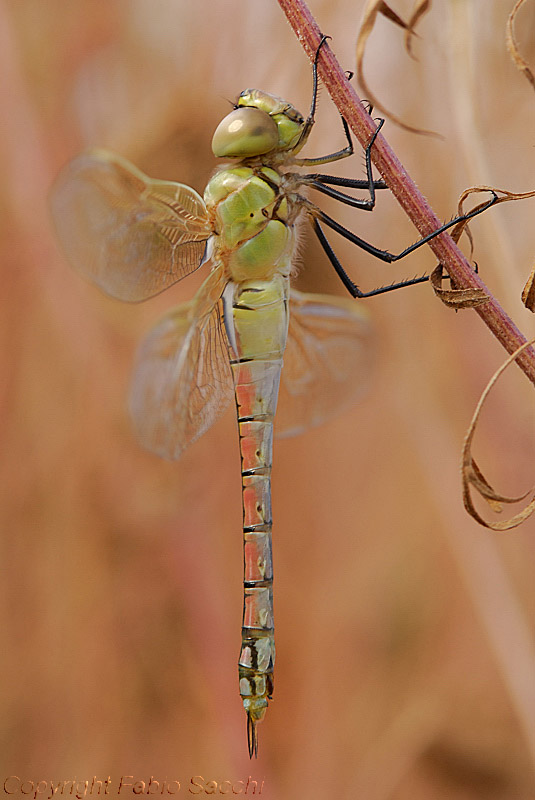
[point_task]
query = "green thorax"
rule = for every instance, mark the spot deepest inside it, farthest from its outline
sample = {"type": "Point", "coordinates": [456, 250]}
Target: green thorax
{"type": "Point", "coordinates": [252, 236]}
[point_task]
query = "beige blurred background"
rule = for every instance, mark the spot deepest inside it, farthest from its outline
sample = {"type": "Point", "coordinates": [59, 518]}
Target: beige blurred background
{"type": "Point", "coordinates": [405, 644]}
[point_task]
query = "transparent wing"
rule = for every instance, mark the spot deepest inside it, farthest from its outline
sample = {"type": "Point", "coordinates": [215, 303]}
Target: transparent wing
{"type": "Point", "coordinates": [327, 361]}
{"type": "Point", "coordinates": [182, 380]}
{"type": "Point", "coordinates": [129, 234]}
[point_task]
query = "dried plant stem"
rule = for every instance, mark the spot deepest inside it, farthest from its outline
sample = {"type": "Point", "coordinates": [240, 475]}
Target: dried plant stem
{"type": "Point", "coordinates": [402, 186]}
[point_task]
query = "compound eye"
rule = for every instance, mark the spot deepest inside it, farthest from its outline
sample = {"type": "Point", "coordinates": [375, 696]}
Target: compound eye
{"type": "Point", "coordinates": [245, 132]}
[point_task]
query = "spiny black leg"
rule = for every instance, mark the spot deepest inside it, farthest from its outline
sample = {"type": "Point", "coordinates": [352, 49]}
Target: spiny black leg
{"type": "Point", "coordinates": [351, 183]}
{"type": "Point", "coordinates": [345, 152]}
{"type": "Point", "coordinates": [316, 181]}
{"type": "Point", "coordinates": [363, 205]}
{"type": "Point", "coordinates": [385, 255]}
{"type": "Point", "coordinates": [352, 288]}
{"type": "Point", "coordinates": [368, 158]}
{"type": "Point", "coordinates": [309, 122]}
{"type": "Point", "coordinates": [312, 111]}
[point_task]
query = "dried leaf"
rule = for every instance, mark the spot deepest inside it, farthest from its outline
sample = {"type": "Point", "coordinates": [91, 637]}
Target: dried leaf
{"type": "Point", "coordinates": [373, 8]}
{"type": "Point", "coordinates": [384, 9]}
{"type": "Point", "coordinates": [528, 292]}
{"type": "Point", "coordinates": [421, 8]}
{"type": "Point", "coordinates": [512, 46]}
{"type": "Point", "coordinates": [505, 197]}
{"type": "Point", "coordinates": [495, 500]}
{"type": "Point", "coordinates": [472, 477]}
{"type": "Point", "coordinates": [455, 297]}
{"type": "Point", "coordinates": [469, 298]}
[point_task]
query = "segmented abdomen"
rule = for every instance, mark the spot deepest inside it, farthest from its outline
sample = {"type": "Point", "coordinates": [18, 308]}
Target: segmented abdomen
{"type": "Point", "coordinates": [256, 319]}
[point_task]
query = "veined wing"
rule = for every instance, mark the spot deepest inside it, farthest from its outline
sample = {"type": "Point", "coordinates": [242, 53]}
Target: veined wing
{"type": "Point", "coordinates": [131, 235]}
{"type": "Point", "coordinates": [326, 362]}
{"type": "Point", "coordinates": [182, 380]}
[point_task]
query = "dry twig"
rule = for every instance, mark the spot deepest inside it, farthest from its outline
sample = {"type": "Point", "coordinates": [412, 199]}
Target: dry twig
{"type": "Point", "coordinates": [401, 185]}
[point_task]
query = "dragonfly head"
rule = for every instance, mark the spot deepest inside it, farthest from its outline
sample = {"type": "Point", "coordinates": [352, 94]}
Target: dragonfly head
{"type": "Point", "coordinates": [261, 123]}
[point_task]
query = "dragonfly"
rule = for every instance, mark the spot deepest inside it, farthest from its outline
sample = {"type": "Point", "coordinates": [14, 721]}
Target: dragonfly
{"type": "Point", "coordinates": [134, 236]}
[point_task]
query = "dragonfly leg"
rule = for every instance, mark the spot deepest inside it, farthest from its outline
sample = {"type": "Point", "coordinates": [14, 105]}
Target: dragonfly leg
{"type": "Point", "coordinates": [383, 255]}
{"type": "Point", "coordinates": [309, 122]}
{"type": "Point", "coordinates": [352, 287]}
{"type": "Point", "coordinates": [336, 180]}
{"type": "Point", "coordinates": [318, 181]}
{"type": "Point", "coordinates": [345, 152]}
{"type": "Point", "coordinates": [363, 205]}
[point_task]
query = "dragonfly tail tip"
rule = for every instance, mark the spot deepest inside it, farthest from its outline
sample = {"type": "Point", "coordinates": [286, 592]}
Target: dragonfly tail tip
{"type": "Point", "coordinates": [252, 737]}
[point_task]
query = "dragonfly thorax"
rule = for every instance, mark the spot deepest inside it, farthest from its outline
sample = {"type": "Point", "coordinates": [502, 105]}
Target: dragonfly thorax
{"type": "Point", "coordinates": [253, 221]}
{"type": "Point", "coordinates": [261, 123]}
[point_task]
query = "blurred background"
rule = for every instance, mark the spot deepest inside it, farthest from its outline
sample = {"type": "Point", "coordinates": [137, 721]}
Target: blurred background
{"type": "Point", "coordinates": [405, 647]}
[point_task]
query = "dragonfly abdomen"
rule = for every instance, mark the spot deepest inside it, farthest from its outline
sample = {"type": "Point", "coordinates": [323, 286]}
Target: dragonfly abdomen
{"type": "Point", "coordinates": [256, 320]}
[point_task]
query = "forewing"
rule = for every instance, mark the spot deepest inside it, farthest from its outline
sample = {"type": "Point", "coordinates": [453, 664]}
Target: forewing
{"type": "Point", "coordinates": [129, 234]}
{"type": "Point", "coordinates": [326, 362]}
{"type": "Point", "coordinates": [182, 380]}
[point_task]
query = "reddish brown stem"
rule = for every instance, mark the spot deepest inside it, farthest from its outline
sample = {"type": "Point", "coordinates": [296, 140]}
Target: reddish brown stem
{"type": "Point", "coordinates": [402, 186]}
